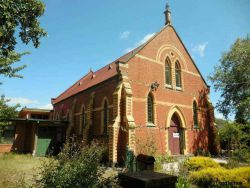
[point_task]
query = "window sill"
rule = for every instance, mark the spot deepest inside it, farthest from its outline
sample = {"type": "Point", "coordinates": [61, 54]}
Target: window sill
{"type": "Point", "coordinates": [168, 86]}
{"type": "Point", "coordinates": [196, 128]}
{"type": "Point", "coordinates": [150, 125]}
{"type": "Point", "coordinates": [179, 89]}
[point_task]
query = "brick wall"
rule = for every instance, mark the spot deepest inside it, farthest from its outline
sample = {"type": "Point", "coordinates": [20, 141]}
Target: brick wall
{"type": "Point", "coordinates": [148, 67]}
{"type": "Point", "coordinates": [5, 148]}
{"type": "Point", "coordinates": [102, 91]}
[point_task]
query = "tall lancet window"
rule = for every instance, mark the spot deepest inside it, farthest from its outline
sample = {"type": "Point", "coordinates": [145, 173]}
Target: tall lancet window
{"type": "Point", "coordinates": [195, 114]}
{"type": "Point", "coordinates": [168, 75]}
{"type": "Point", "coordinates": [150, 106]}
{"type": "Point", "coordinates": [105, 117]}
{"type": "Point", "coordinates": [178, 74]}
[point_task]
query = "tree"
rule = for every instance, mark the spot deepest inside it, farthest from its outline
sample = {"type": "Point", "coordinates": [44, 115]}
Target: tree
{"type": "Point", "coordinates": [18, 18]}
{"type": "Point", "coordinates": [231, 134]}
{"type": "Point", "coordinates": [232, 78]}
{"type": "Point", "coordinates": [6, 112]}
{"type": "Point", "coordinates": [220, 122]}
{"type": "Point", "coordinates": [236, 137]}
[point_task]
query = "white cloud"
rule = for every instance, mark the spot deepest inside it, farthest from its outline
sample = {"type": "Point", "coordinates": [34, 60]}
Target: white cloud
{"type": "Point", "coordinates": [200, 48]}
{"type": "Point", "coordinates": [145, 39]}
{"type": "Point", "coordinates": [22, 101]}
{"type": "Point", "coordinates": [127, 50]}
{"type": "Point", "coordinates": [46, 107]}
{"type": "Point", "coordinates": [29, 102]}
{"type": "Point", "coordinates": [218, 115]}
{"type": "Point", "coordinates": [142, 41]}
{"type": "Point", "coordinates": [125, 35]}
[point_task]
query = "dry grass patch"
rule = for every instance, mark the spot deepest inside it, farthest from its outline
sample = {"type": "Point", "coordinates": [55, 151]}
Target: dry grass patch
{"type": "Point", "coordinates": [18, 169]}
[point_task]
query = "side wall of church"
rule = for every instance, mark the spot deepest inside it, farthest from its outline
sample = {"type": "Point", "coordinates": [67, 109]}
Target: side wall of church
{"type": "Point", "coordinates": [90, 102]}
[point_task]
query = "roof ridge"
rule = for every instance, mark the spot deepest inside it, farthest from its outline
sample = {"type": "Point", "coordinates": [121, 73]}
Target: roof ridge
{"type": "Point", "coordinates": [139, 48]}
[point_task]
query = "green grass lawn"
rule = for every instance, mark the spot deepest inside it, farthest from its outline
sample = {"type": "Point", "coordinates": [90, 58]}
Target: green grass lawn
{"type": "Point", "coordinates": [17, 170]}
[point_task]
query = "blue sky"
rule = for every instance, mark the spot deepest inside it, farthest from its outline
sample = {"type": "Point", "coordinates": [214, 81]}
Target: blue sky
{"type": "Point", "coordinates": [91, 33]}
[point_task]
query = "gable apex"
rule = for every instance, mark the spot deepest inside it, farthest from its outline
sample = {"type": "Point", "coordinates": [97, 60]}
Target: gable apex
{"type": "Point", "coordinates": [137, 50]}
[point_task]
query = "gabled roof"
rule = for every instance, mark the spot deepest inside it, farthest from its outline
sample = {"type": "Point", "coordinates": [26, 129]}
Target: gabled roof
{"type": "Point", "coordinates": [89, 80]}
{"type": "Point", "coordinates": [93, 78]}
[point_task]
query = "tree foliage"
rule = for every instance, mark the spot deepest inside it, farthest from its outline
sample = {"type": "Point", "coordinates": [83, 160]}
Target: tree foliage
{"type": "Point", "coordinates": [232, 78]}
{"type": "Point", "coordinates": [18, 18]}
{"type": "Point", "coordinates": [231, 134]}
{"type": "Point", "coordinates": [6, 111]}
{"type": "Point", "coordinates": [236, 137]}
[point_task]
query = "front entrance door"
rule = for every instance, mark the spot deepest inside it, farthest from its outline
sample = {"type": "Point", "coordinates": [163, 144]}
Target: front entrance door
{"type": "Point", "coordinates": [175, 136]}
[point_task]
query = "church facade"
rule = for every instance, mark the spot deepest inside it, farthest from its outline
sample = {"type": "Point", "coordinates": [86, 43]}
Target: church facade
{"type": "Point", "coordinates": [153, 96]}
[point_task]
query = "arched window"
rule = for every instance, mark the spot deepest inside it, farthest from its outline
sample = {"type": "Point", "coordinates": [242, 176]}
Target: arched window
{"type": "Point", "coordinates": [105, 117]}
{"type": "Point", "coordinates": [178, 74]}
{"type": "Point", "coordinates": [195, 114]}
{"type": "Point", "coordinates": [83, 123]}
{"type": "Point", "coordinates": [168, 75]}
{"type": "Point", "coordinates": [150, 107]}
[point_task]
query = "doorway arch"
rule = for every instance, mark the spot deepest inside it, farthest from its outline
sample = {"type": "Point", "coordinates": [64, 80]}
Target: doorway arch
{"type": "Point", "coordinates": [176, 134]}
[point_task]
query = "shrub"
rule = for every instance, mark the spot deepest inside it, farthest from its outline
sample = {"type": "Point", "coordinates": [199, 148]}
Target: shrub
{"type": "Point", "coordinates": [146, 145]}
{"type": "Point", "coordinates": [220, 177]}
{"type": "Point", "coordinates": [198, 163]}
{"type": "Point", "coordinates": [160, 159]}
{"type": "Point", "coordinates": [74, 167]}
{"type": "Point", "coordinates": [182, 182]}
{"type": "Point", "coordinates": [241, 155]}
{"type": "Point", "coordinates": [231, 164]}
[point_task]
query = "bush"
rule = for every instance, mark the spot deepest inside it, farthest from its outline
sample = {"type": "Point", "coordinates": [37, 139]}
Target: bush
{"type": "Point", "coordinates": [182, 182]}
{"type": "Point", "coordinates": [241, 155]}
{"type": "Point", "coordinates": [75, 166]}
{"type": "Point", "coordinates": [146, 146]}
{"type": "Point", "coordinates": [199, 163]}
{"type": "Point", "coordinates": [220, 177]}
{"type": "Point", "coordinates": [160, 159]}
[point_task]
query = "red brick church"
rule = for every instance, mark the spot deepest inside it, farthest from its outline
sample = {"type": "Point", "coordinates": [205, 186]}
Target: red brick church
{"type": "Point", "coordinates": [153, 92]}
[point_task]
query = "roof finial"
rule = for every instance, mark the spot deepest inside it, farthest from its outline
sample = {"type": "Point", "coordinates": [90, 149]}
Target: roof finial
{"type": "Point", "coordinates": [167, 15]}
{"type": "Point", "coordinates": [167, 5]}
